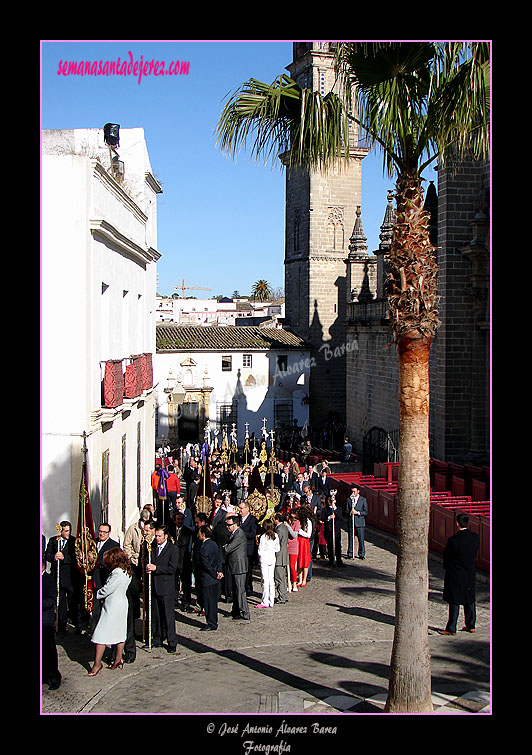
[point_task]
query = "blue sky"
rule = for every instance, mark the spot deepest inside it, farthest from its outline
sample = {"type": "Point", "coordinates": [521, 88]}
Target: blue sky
{"type": "Point", "coordinates": [220, 222]}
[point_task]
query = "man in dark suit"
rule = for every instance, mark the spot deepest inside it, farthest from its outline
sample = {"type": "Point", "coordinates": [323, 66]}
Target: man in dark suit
{"type": "Point", "coordinates": [50, 665]}
{"type": "Point", "coordinates": [459, 586]}
{"type": "Point", "coordinates": [249, 524]}
{"type": "Point", "coordinates": [332, 531]}
{"type": "Point", "coordinates": [61, 553]}
{"type": "Point", "coordinates": [356, 508]}
{"type": "Point", "coordinates": [183, 571]}
{"type": "Point", "coordinates": [104, 543]}
{"type": "Point", "coordinates": [192, 490]}
{"type": "Point", "coordinates": [220, 535]}
{"type": "Point", "coordinates": [280, 573]}
{"type": "Point", "coordinates": [298, 485]}
{"type": "Point", "coordinates": [210, 574]}
{"type": "Point", "coordinates": [191, 468]}
{"type": "Point", "coordinates": [216, 482]}
{"type": "Point", "coordinates": [236, 552]}
{"type": "Point", "coordinates": [322, 483]}
{"type": "Point", "coordinates": [284, 481]}
{"type": "Point", "coordinates": [163, 566]}
{"type": "Point", "coordinates": [310, 498]}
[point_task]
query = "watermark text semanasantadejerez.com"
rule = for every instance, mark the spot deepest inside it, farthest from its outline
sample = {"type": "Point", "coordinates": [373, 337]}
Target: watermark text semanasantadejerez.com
{"type": "Point", "coordinates": [126, 67]}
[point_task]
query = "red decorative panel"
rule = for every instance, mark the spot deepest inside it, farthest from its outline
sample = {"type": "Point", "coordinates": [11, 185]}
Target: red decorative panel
{"type": "Point", "coordinates": [147, 371]}
{"type": "Point", "coordinates": [458, 485]}
{"type": "Point", "coordinates": [372, 498]}
{"type": "Point", "coordinates": [478, 490]}
{"type": "Point", "coordinates": [113, 384]}
{"type": "Point", "coordinates": [484, 555]}
{"type": "Point", "coordinates": [440, 481]}
{"type": "Point", "coordinates": [437, 467]}
{"type": "Point", "coordinates": [133, 379]}
{"type": "Point", "coordinates": [387, 507]}
{"type": "Point", "coordinates": [441, 527]}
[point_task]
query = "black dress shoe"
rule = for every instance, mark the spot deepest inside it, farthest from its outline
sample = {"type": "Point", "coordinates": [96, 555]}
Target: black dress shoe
{"type": "Point", "coordinates": [129, 660]}
{"type": "Point", "coordinates": [55, 685]}
{"type": "Point", "coordinates": [171, 650]}
{"type": "Point", "coordinates": [208, 629]}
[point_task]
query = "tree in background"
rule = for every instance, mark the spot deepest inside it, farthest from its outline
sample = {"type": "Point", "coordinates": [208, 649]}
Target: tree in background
{"type": "Point", "coordinates": [261, 291]}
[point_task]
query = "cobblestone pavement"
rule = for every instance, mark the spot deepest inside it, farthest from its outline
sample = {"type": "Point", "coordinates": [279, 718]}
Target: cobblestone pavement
{"type": "Point", "coordinates": [327, 651]}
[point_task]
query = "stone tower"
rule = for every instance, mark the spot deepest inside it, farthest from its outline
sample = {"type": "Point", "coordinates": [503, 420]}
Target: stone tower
{"type": "Point", "coordinates": [320, 217]}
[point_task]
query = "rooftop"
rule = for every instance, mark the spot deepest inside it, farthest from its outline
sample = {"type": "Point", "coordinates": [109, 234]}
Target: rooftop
{"type": "Point", "coordinates": [171, 337]}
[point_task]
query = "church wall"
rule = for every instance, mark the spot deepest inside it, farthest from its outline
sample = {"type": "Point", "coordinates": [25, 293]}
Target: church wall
{"type": "Point", "coordinates": [459, 367]}
{"type": "Point", "coordinates": [372, 382]}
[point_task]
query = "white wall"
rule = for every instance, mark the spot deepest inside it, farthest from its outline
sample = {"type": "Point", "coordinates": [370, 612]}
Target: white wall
{"type": "Point", "coordinates": [255, 402]}
{"type": "Point", "coordinates": [93, 233]}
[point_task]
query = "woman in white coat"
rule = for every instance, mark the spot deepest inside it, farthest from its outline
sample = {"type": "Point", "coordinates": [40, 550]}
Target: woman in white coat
{"type": "Point", "coordinates": [268, 547]}
{"type": "Point", "coordinates": [111, 628]}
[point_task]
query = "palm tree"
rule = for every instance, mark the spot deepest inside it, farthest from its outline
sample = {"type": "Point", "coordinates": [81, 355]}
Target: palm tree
{"type": "Point", "coordinates": [261, 291]}
{"type": "Point", "coordinates": [416, 102]}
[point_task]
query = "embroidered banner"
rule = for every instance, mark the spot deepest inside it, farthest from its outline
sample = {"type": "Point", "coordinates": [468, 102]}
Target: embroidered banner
{"type": "Point", "coordinates": [113, 384]}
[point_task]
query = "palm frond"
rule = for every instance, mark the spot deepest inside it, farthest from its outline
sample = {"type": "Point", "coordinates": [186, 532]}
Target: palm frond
{"type": "Point", "coordinates": [282, 118]}
{"type": "Point", "coordinates": [417, 101]}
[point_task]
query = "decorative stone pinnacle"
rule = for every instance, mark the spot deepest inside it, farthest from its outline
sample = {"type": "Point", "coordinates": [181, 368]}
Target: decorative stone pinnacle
{"type": "Point", "coordinates": [357, 242]}
{"type": "Point", "coordinates": [388, 223]}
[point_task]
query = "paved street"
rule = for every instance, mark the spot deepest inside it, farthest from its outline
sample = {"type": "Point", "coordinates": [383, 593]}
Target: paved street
{"type": "Point", "coordinates": [327, 651]}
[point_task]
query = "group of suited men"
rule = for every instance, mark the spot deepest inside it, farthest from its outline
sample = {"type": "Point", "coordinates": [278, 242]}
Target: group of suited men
{"type": "Point", "coordinates": [218, 557]}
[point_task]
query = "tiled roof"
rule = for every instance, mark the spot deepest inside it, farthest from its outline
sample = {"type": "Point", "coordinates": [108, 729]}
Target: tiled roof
{"type": "Point", "coordinates": [170, 337]}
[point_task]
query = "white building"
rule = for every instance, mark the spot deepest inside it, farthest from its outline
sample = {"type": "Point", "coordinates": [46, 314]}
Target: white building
{"type": "Point", "coordinates": [191, 311]}
{"type": "Point", "coordinates": [99, 255]}
{"type": "Point", "coordinates": [228, 375]}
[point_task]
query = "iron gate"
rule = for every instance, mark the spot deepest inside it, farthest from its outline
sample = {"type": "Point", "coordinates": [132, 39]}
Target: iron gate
{"type": "Point", "coordinates": [379, 446]}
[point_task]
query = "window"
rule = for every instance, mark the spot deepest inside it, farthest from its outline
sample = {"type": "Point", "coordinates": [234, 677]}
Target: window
{"type": "Point", "coordinates": [227, 362]}
{"type": "Point", "coordinates": [226, 414]}
{"type": "Point", "coordinates": [282, 412]}
{"type": "Point", "coordinates": [282, 363]}
{"type": "Point", "coordinates": [246, 360]}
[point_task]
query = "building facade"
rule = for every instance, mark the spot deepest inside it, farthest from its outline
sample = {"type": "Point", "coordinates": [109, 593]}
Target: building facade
{"type": "Point", "coordinates": [191, 311]}
{"type": "Point", "coordinates": [99, 256]}
{"type": "Point", "coordinates": [226, 375]}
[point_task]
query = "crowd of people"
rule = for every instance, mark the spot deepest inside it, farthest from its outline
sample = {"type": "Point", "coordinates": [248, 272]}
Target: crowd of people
{"type": "Point", "coordinates": [178, 556]}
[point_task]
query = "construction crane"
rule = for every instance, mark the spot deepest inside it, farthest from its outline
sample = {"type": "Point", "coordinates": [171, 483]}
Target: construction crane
{"type": "Point", "coordinates": [183, 287]}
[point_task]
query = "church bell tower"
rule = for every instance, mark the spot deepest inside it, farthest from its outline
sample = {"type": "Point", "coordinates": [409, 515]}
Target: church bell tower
{"type": "Point", "coordinates": [320, 217]}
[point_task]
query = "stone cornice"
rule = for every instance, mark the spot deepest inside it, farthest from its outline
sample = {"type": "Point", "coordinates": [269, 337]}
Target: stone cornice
{"type": "Point", "coordinates": [153, 183]}
{"type": "Point", "coordinates": [114, 187]}
{"type": "Point", "coordinates": [109, 232]}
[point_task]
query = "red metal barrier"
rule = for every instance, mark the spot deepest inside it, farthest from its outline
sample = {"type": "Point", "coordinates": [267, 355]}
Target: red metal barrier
{"type": "Point", "coordinates": [444, 505]}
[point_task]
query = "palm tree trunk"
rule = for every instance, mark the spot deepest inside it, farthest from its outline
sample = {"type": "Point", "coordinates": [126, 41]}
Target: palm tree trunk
{"type": "Point", "coordinates": [412, 296]}
{"type": "Point", "coordinates": [410, 674]}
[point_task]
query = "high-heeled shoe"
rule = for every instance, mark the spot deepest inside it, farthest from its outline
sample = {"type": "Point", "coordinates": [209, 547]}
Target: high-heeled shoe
{"type": "Point", "coordinates": [115, 665]}
{"type": "Point", "coordinates": [93, 672]}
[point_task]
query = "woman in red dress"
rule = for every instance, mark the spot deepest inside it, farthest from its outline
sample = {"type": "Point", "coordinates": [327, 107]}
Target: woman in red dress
{"type": "Point", "coordinates": [293, 547]}
{"type": "Point", "coordinates": [304, 535]}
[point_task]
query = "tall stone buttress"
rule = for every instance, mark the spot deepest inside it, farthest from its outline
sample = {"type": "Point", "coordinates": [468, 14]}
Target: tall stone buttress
{"type": "Point", "coordinates": [320, 216]}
